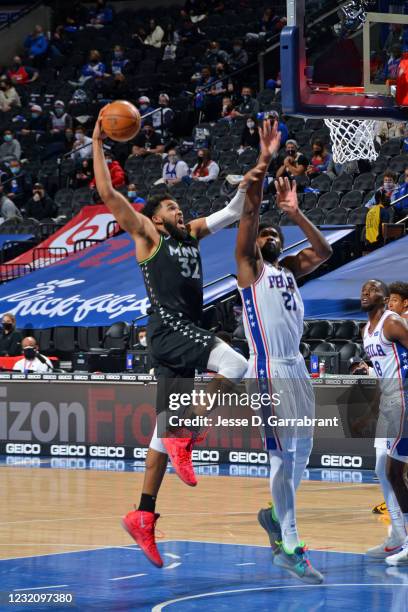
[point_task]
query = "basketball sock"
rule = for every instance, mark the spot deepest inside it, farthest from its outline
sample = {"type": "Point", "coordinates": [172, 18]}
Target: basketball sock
{"type": "Point", "coordinates": [397, 520]}
{"type": "Point", "coordinates": [147, 503]}
{"type": "Point", "coordinates": [302, 454]}
{"type": "Point", "coordinates": [283, 495]}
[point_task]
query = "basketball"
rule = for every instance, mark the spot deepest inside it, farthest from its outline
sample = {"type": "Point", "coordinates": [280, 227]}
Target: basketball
{"type": "Point", "coordinates": [121, 121]}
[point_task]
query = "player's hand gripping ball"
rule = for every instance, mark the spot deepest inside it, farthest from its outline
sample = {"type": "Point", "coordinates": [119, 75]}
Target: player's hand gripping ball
{"type": "Point", "coordinates": [121, 121]}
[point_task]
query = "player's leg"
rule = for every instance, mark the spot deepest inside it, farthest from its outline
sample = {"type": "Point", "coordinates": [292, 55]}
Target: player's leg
{"type": "Point", "coordinates": [395, 473]}
{"type": "Point", "coordinates": [394, 541]}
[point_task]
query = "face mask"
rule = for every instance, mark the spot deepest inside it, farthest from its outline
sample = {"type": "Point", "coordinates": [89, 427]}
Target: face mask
{"type": "Point", "coordinates": [78, 136]}
{"type": "Point", "coordinates": [388, 185]}
{"type": "Point", "coordinates": [245, 98]}
{"type": "Point", "coordinates": [15, 170]}
{"type": "Point", "coordinates": [143, 341]}
{"type": "Point", "coordinates": [200, 157]}
{"type": "Point", "coordinates": [250, 124]}
{"type": "Point", "coordinates": [237, 49]}
{"type": "Point", "coordinates": [16, 66]}
{"type": "Point", "coordinates": [291, 152]}
{"type": "Point", "coordinates": [8, 137]}
{"type": "Point", "coordinates": [131, 194]}
{"type": "Point", "coordinates": [148, 133]}
{"type": "Point", "coordinates": [109, 162]}
{"type": "Point", "coordinates": [35, 115]}
{"type": "Point", "coordinates": [7, 326]}
{"type": "Point", "coordinates": [143, 106]}
{"type": "Point", "coordinates": [29, 352]}
{"type": "Point", "coordinates": [118, 54]}
{"type": "Point", "coordinates": [59, 112]}
{"type": "Point", "coordinates": [172, 159]}
{"type": "Point", "coordinates": [317, 152]}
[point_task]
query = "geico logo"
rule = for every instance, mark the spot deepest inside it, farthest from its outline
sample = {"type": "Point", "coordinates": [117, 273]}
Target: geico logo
{"type": "Point", "coordinates": [249, 470]}
{"type": "Point", "coordinates": [110, 465]}
{"type": "Point", "coordinates": [205, 455]}
{"type": "Point", "coordinates": [242, 457]}
{"type": "Point", "coordinates": [207, 470]}
{"type": "Point", "coordinates": [68, 464]}
{"type": "Point", "coordinates": [342, 476]}
{"type": "Point", "coordinates": [68, 450]}
{"type": "Point", "coordinates": [106, 451]}
{"type": "Point", "coordinates": [23, 449]}
{"type": "Point", "coordinates": [140, 453]}
{"type": "Point", "coordinates": [335, 381]}
{"type": "Point", "coordinates": [29, 461]}
{"type": "Point", "coordinates": [341, 461]}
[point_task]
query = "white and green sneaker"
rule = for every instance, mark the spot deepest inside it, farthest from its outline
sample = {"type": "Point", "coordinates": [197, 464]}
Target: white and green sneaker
{"type": "Point", "coordinates": [298, 564]}
{"type": "Point", "coordinates": [271, 527]}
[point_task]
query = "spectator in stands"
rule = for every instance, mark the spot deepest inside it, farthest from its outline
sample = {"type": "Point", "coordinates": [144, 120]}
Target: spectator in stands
{"type": "Point", "coordinates": [9, 97]}
{"type": "Point", "coordinates": [269, 25]}
{"type": "Point", "coordinates": [214, 55]}
{"type": "Point", "coordinates": [170, 42]}
{"type": "Point", "coordinates": [205, 170]}
{"type": "Point", "coordinates": [40, 206]}
{"type": "Point", "coordinates": [101, 15]}
{"type": "Point", "coordinates": [145, 107]}
{"type": "Point", "coordinates": [141, 344]}
{"type": "Point", "coordinates": [239, 57]}
{"type": "Point", "coordinates": [20, 74]}
{"type": "Point", "coordinates": [36, 45]}
{"type": "Point", "coordinates": [389, 129]}
{"type": "Point", "coordinates": [227, 113]}
{"type": "Point", "coordinates": [32, 361]}
{"type": "Point", "coordinates": [320, 161]}
{"type": "Point", "coordinates": [37, 122]}
{"type": "Point", "coordinates": [376, 216]}
{"type": "Point", "coordinates": [221, 87]}
{"type": "Point", "coordinates": [134, 198]}
{"type": "Point", "coordinates": [163, 119]}
{"type": "Point", "coordinates": [155, 35]}
{"type": "Point", "coordinates": [249, 105]}
{"type": "Point", "coordinates": [282, 127]}
{"type": "Point", "coordinates": [8, 209]}
{"type": "Point", "coordinates": [392, 66]}
{"type": "Point", "coordinates": [147, 142]}
{"type": "Point", "coordinates": [11, 148]}
{"type": "Point", "coordinates": [84, 174]}
{"type": "Point", "coordinates": [82, 146]}
{"type": "Point", "coordinates": [119, 63]}
{"type": "Point", "coordinates": [402, 190]}
{"type": "Point", "coordinates": [292, 163]}
{"type": "Point", "coordinates": [60, 43]}
{"type": "Point", "coordinates": [10, 338]}
{"type": "Point", "coordinates": [250, 135]}
{"type": "Point", "coordinates": [59, 120]}
{"type": "Point", "coordinates": [19, 184]}
{"type": "Point", "coordinates": [389, 187]}
{"type": "Point", "coordinates": [174, 169]}
{"type": "Point", "coordinates": [116, 172]}
{"type": "Point", "coordinates": [189, 32]}
{"type": "Point", "coordinates": [93, 69]}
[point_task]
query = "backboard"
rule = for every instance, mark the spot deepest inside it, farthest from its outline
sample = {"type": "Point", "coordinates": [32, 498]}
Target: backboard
{"type": "Point", "coordinates": [339, 59]}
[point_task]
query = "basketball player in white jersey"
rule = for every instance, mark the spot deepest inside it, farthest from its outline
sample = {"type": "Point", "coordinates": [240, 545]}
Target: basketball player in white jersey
{"type": "Point", "coordinates": [398, 303]}
{"type": "Point", "coordinates": [386, 343]}
{"type": "Point", "coordinates": [273, 320]}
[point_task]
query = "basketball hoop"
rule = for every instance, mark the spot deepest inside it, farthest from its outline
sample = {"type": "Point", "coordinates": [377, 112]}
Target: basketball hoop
{"type": "Point", "coordinates": [352, 139]}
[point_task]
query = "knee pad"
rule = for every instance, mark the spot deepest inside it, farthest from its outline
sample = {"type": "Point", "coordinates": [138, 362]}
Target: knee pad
{"type": "Point", "coordinates": [227, 362]}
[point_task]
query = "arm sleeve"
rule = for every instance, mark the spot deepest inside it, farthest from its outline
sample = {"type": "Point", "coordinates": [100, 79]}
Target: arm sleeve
{"type": "Point", "coordinates": [228, 215]}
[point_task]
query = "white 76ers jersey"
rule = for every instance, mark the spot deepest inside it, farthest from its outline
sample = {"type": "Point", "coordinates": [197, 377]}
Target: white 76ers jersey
{"type": "Point", "coordinates": [390, 359]}
{"type": "Point", "coordinates": [273, 314]}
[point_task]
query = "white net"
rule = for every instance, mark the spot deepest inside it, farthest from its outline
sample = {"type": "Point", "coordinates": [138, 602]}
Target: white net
{"type": "Point", "coordinates": [352, 139]}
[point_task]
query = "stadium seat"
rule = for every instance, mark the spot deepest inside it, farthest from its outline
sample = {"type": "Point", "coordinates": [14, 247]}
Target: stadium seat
{"type": "Point", "coordinates": [329, 200]}
{"type": "Point", "coordinates": [302, 182]}
{"type": "Point", "coordinates": [380, 164]}
{"type": "Point", "coordinates": [336, 217]}
{"type": "Point", "coordinates": [357, 216]}
{"type": "Point", "coordinates": [319, 330]}
{"type": "Point", "coordinates": [323, 347]}
{"type": "Point", "coordinates": [117, 336]}
{"type": "Point", "coordinates": [346, 330]}
{"type": "Point", "coordinates": [45, 340]}
{"type": "Point", "coordinates": [65, 340]}
{"type": "Point", "coordinates": [398, 163]}
{"type": "Point", "coordinates": [391, 147]}
{"type": "Point", "coordinates": [344, 182]}
{"type": "Point", "coordinates": [304, 349]}
{"type": "Point", "coordinates": [347, 350]}
{"type": "Point", "coordinates": [323, 182]}
{"type": "Point", "coordinates": [351, 199]}
{"type": "Point", "coordinates": [307, 201]}
{"type": "Point", "coordinates": [364, 182]}
{"type": "Point", "coordinates": [316, 216]}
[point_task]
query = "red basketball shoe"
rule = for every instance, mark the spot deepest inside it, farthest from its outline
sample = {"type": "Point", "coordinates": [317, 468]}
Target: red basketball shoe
{"type": "Point", "coordinates": [180, 453]}
{"type": "Point", "coordinates": [140, 526]}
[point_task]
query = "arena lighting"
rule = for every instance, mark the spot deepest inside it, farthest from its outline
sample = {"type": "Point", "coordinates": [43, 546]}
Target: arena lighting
{"type": "Point", "coordinates": [352, 16]}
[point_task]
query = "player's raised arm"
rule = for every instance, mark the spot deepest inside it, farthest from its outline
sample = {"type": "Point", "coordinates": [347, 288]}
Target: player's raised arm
{"type": "Point", "coordinates": [308, 259]}
{"type": "Point", "coordinates": [247, 254]}
{"type": "Point", "coordinates": [200, 228]}
{"type": "Point", "coordinates": [138, 226]}
{"type": "Point", "coordinates": [396, 330]}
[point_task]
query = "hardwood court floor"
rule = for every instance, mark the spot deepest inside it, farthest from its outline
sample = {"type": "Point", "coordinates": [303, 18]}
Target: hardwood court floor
{"type": "Point", "coordinates": [58, 510]}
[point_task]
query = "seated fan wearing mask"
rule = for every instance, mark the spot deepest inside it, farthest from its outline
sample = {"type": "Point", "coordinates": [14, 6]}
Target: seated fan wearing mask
{"type": "Point", "coordinates": [10, 338]}
{"type": "Point", "coordinates": [32, 361]}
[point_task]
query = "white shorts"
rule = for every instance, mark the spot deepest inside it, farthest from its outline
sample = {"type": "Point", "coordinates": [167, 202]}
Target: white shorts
{"type": "Point", "coordinates": [393, 418]}
{"type": "Point", "coordinates": [286, 381]}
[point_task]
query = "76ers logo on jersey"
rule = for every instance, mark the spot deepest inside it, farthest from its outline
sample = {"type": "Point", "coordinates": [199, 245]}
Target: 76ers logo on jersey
{"type": "Point", "coordinates": [279, 281]}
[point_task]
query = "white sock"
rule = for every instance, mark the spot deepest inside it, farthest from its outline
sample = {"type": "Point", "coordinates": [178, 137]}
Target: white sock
{"type": "Point", "coordinates": [397, 520]}
{"type": "Point", "coordinates": [283, 494]}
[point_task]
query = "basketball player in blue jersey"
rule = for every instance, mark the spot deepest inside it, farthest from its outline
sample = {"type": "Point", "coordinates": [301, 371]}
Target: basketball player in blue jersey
{"type": "Point", "coordinates": [385, 340]}
{"type": "Point", "coordinates": [273, 320]}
